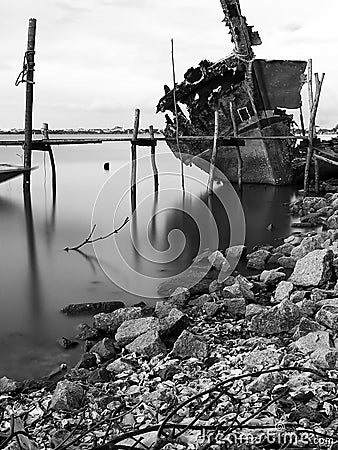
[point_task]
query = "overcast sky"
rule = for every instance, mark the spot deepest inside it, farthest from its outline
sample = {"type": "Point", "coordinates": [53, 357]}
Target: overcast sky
{"type": "Point", "coordinates": [96, 60]}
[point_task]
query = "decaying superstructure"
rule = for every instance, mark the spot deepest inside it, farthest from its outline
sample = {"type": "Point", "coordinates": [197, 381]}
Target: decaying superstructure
{"type": "Point", "coordinates": [258, 90]}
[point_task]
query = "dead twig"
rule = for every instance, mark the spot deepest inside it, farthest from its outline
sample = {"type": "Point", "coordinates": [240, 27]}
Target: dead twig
{"type": "Point", "coordinates": [89, 239]}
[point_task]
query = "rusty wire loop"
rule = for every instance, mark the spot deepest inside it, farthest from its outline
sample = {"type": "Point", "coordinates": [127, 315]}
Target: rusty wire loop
{"type": "Point", "coordinates": [26, 67]}
{"type": "Point", "coordinates": [168, 431]}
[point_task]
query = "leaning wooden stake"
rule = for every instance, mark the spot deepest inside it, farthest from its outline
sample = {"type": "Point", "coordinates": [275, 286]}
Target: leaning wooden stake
{"type": "Point", "coordinates": [176, 113]}
{"type": "Point", "coordinates": [153, 160]}
{"type": "Point", "coordinates": [238, 151]}
{"type": "Point", "coordinates": [133, 159]}
{"type": "Point", "coordinates": [29, 102]}
{"type": "Point", "coordinates": [45, 135]}
{"type": "Point", "coordinates": [213, 155]}
{"type": "Point", "coordinates": [312, 123]}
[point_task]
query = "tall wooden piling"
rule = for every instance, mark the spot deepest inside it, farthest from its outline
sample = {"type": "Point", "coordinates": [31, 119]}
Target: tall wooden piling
{"type": "Point", "coordinates": [133, 159]}
{"type": "Point", "coordinates": [213, 155]}
{"type": "Point", "coordinates": [312, 128]}
{"type": "Point", "coordinates": [238, 151]}
{"type": "Point", "coordinates": [29, 101]}
{"type": "Point", "coordinates": [153, 160]}
{"type": "Point", "coordinates": [45, 135]}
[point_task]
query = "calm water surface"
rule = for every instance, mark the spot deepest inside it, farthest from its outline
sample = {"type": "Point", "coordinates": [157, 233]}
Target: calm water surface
{"type": "Point", "coordinates": [37, 277]}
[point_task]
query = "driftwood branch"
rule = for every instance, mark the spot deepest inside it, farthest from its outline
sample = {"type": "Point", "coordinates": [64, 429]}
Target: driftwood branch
{"type": "Point", "coordinates": [89, 239]}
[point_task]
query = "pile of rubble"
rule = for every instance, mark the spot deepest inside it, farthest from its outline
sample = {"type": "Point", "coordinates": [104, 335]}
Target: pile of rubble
{"type": "Point", "coordinates": [251, 362]}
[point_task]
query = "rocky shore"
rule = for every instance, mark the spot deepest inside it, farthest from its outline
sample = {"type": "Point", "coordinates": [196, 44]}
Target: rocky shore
{"type": "Point", "coordinates": [248, 363]}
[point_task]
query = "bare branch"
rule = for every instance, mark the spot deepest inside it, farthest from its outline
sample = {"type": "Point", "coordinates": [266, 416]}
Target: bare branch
{"type": "Point", "coordinates": [89, 239]}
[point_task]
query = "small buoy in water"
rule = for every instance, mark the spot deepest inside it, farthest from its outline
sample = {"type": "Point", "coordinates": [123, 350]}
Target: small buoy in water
{"type": "Point", "coordinates": [63, 366]}
{"type": "Point", "coordinates": [270, 227]}
{"type": "Point", "coordinates": [106, 166]}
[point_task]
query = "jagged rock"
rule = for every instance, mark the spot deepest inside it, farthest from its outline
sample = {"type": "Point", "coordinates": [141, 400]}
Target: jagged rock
{"type": "Point", "coordinates": [287, 262]}
{"type": "Point", "coordinates": [8, 385]}
{"type": "Point", "coordinates": [216, 259]}
{"type": "Point", "coordinates": [173, 324]}
{"type": "Point", "coordinates": [273, 259]}
{"type": "Point", "coordinates": [277, 319]}
{"type": "Point", "coordinates": [162, 309]}
{"type": "Point", "coordinates": [200, 301]}
{"type": "Point", "coordinates": [253, 309]}
{"type": "Point", "coordinates": [313, 341]}
{"type": "Point", "coordinates": [109, 322]}
{"type": "Point", "coordinates": [314, 269]}
{"type": "Point", "coordinates": [324, 359]}
{"type": "Point", "coordinates": [297, 296]}
{"type": "Point", "coordinates": [66, 343]}
{"type": "Point", "coordinates": [120, 365]}
{"type": "Point", "coordinates": [328, 316]}
{"type": "Point", "coordinates": [285, 249]}
{"type": "Point", "coordinates": [149, 344]}
{"type": "Point", "coordinates": [272, 276]}
{"type": "Point", "coordinates": [307, 245]}
{"type": "Point", "coordinates": [257, 259]}
{"type": "Point", "coordinates": [332, 222]}
{"type": "Point", "coordinates": [85, 332]}
{"type": "Point", "coordinates": [99, 375]}
{"type": "Point", "coordinates": [236, 307]}
{"type": "Point", "coordinates": [180, 297]}
{"type": "Point", "coordinates": [266, 358]}
{"type": "Point", "coordinates": [67, 396]}
{"type": "Point", "coordinates": [307, 307]}
{"type": "Point", "coordinates": [266, 382]}
{"type": "Point", "coordinates": [232, 291]}
{"type": "Point", "coordinates": [105, 349]}
{"type": "Point", "coordinates": [283, 291]}
{"type": "Point", "coordinates": [87, 361]}
{"type": "Point", "coordinates": [306, 326]}
{"type": "Point", "coordinates": [189, 345]}
{"type": "Point", "coordinates": [211, 309]}
{"type": "Point", "coordinates": [131, 329]}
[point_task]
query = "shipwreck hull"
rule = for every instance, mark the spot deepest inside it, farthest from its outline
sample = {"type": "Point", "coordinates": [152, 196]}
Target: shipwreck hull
{"type": "Point", "coordinates": [248, 95]}
{"type": "Point", "coordinates": [264, 161]}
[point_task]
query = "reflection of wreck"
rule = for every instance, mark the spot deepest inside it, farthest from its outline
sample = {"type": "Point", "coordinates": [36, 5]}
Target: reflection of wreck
{"type": "Point", "coordinates": [257, 89]}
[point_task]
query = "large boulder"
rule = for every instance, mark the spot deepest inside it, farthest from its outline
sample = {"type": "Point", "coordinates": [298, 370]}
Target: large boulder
{"type": "Point", "coordinates": [67, 396]}
{"type": "Point", "coordinates": [149, 344]}
{"type": "Point", "coordinates": [131, 329]}
{"type": "Point", "coordinates": [278, 319]}
{"type": "Point", "coordinates": [314, 269]}
{"type": "Point", "coordinates": [189, 345]}
{"type": "Point", "coordinates": [109, 322]}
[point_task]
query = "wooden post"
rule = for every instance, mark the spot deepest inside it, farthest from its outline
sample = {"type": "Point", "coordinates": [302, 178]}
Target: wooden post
{"type": "Point", "coordinates": [301, 120]}
{"type": "Point", "coordinates": [309, 84]}
{"type": "Point", "coordinates": [312, 125]}
{"type": "Point", "coordinates": [238, 151]}
{"type": "Point", "coordinates": [133, 158]}
{"type": "Point", "coordinates": [153, 161]}
{"type": "Point", "coordinates": [45, 135]}
{"type": "Point", "coordinates": [213, 155]}
{"type": "Point", "coordinates": [29, 102]}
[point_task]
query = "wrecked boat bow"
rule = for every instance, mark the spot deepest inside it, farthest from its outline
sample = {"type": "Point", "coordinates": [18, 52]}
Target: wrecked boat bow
{"type": "Point", "coordinates": [258, 89]}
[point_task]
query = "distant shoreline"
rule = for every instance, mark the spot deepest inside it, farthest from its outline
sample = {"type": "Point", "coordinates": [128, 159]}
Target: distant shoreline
{"type": "Point", "coordinates": [83, 131]}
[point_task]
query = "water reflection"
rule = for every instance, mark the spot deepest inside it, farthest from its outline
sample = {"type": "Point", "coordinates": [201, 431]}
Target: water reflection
{"type": "Point", "coordinates": [34, 288]}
